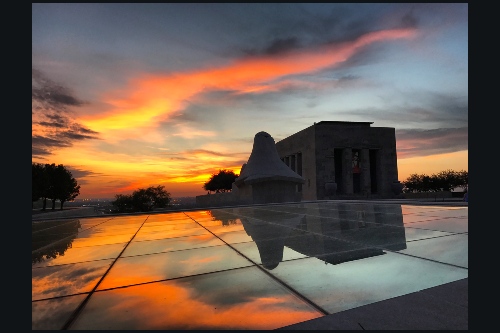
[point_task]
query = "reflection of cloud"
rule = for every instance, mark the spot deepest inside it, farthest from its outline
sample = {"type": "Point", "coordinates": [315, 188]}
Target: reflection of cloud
{"type": "Point", "coordinates": [71, 279]}
{"type": "Point", "coordinates": [144, 307]}
{"type": "Point", "coordinates": [201, 260]}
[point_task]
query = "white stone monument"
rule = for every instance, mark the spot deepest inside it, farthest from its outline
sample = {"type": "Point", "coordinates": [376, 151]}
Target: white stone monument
{"type": "Point", "coordinates": [265, 178]}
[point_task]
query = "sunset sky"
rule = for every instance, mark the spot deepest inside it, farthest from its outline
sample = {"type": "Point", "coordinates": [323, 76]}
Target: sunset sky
{"type": "Point", "coordinates": [129, 95]}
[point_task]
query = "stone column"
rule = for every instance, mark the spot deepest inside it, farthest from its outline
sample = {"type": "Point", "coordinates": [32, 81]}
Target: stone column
{"type": "Point", "coordinates": [329, 176]}
{"type": "Point", "coordinates": [364, 160]}
{"type": "Point", "coordinates": [348, 186]}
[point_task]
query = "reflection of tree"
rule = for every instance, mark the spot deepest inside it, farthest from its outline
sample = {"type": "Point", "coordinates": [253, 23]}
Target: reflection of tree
{"type": "Point", "coordinates": [51, 239]}
{"type": "Point", "coordinates": [225, 218]}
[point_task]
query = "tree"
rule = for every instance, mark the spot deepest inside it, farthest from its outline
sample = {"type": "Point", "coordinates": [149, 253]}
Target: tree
{"type": "Point", "coordinates": [449, 179]}
{"type": "Point", "coordinates": [53, 182]}
{"type": "Point", "coordinates": [67, 188]}
{"type": "Point", "coordinates": [62, 185]}
{"type": "Point", "coordinates": [442, 181]}
{"type": "Point", "coordinates": [142, 200]}
{"type": "Point", "coordinates": [123, 203]}
{"type": "Point", "coordinates": [39, 183]}
{"type": "Point", "coordinates": [159, 196]}
{"type": "Point", "coordinates": [220, 182]}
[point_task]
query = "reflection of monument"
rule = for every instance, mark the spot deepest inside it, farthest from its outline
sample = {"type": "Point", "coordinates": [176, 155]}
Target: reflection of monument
{"type": "Point", "coordinates": [52, 239]}
{"type": "Point", "coordinates": [270, 237]}
{"type": "Point", "coordinates": [341, 233]}
{"type": "Point", "coordinates": [265, 178]}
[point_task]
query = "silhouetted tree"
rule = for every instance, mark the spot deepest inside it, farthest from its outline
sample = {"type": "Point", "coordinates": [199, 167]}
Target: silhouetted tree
{"type": "Point", "coordinates": [123, 203]}
{"type": "Point", "coordinates": [39, 184]}
{"type": "Point", "coordinates": [159, 196]}
{"type": "Point", "coordinates": [62, 185]}
{"type": "Point", "coordinates": [66, 187]}
{"type": "Point", "coordinates": [142, 200]}
{"type": "Point", "coordinates": [441, 181]}
{"type": "Point", "coordinates": [53, 182]}
{"type": "Point", "coordinates": [220, 182]}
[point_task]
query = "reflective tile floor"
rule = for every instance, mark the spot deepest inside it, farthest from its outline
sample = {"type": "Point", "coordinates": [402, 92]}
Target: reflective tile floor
{"type": "Point", "coordinates": [254, 267]}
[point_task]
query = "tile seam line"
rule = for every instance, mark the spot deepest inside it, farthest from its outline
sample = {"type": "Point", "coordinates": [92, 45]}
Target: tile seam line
{"type": "Point", "coordinates": [280, 282]}
{"type": "Point", "coordinates": [80, 307]}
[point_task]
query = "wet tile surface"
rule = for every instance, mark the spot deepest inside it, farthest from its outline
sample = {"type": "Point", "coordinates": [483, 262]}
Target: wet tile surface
{"type": "Point", "coordinates": [257, 267]}
{"type": "Point", "coordinates": [243, 298]}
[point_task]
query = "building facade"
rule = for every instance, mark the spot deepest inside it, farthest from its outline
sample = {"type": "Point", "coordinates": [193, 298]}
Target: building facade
{"type": "Point", "coordinates": [340, 159]}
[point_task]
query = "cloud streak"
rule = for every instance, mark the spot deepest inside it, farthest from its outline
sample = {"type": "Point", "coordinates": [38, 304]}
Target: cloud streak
{"type": "Point", "coordinates": [153, 98]}
{"type": "Point", "coordinates": [419, 142]}
{"type": "Point", "coordinates": [52, 124]}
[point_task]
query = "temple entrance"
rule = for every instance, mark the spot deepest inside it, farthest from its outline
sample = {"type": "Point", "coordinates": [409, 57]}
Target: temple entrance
{"type": "Point", "coordinates": [356, 171]}
{"type": "Point", "coordinates": [337, 158]}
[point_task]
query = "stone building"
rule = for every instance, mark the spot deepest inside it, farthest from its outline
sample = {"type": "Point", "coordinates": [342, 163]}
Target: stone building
{"type": "Point", "coordinates": [340, 159]}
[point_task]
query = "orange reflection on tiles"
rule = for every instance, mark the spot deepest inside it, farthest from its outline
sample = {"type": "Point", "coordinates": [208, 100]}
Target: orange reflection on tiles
{"type": "Point", "coordinates": [166, 217]}
{"type": "Point", "coordinates": [65, 280]}
{"type": "Point", "coordinates": [75, 255]}
{"type": "Point", "coordinates": [146, 235]}
{"type": "Point", "coordinates": [83, 240]}
{"type": "Point", "coordinates": [200, 214]}
{"type": "Point", "coordinates": [176, 305]}
{"type": "Point", "coordinates": [170, 265]}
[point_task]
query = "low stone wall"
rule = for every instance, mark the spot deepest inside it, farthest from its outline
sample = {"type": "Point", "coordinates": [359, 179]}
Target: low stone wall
{"type": "Point", "coordinates": [215, 200]}
{"type": "Point", "coordinates": [428, 195]}
{"type": "Point", "coordinates": [71, 212]}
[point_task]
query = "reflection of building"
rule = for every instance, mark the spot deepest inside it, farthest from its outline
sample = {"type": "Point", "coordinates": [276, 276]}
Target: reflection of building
{"type": "Point", "coordinates": [346, 234]}
{"type": "Point", "coordinates": [343, 159]}
{"type": "Point", "coordinates": [337, 235]}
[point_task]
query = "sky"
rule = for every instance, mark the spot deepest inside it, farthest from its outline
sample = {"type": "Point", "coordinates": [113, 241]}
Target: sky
{"type": "Point", "coordinates": [130, 95]}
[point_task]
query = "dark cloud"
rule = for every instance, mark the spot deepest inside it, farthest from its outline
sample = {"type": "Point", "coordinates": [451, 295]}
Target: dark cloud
{"type": "Point", "coordinates": [50, 95]}
{"type": "Point", "coordinates": [49, 124]}
{"type": "Point", "coordinates": [409, 21]}
{"type": "Point", "coordinates": [313, 25]}
{"type": "Point", "coordinates": [277, 46]}
{"type": "Point", "coordinates": [43, 142]}
{"type": "Point", "coordinates": [422, 142]}
{"type": "Point", "coordinates": [428, 110]}
{"type": "Point", "coordinates": [79, 174]}
{"type": "Point", "coordinates": [51, 117]}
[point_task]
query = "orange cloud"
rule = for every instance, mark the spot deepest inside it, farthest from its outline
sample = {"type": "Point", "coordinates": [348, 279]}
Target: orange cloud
{"type": "Point", "coordinates": [152, 98]}
{"type": "Point", "coordinates": [136, 111]}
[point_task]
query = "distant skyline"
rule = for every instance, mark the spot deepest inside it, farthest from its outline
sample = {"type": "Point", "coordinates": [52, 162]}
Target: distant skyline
{"type": "Point", "coordinates": [130, 95]}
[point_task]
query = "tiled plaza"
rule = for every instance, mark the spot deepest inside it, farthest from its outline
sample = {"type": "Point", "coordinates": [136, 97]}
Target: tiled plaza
{"type": "Point", "coordinates": [255, 267]}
